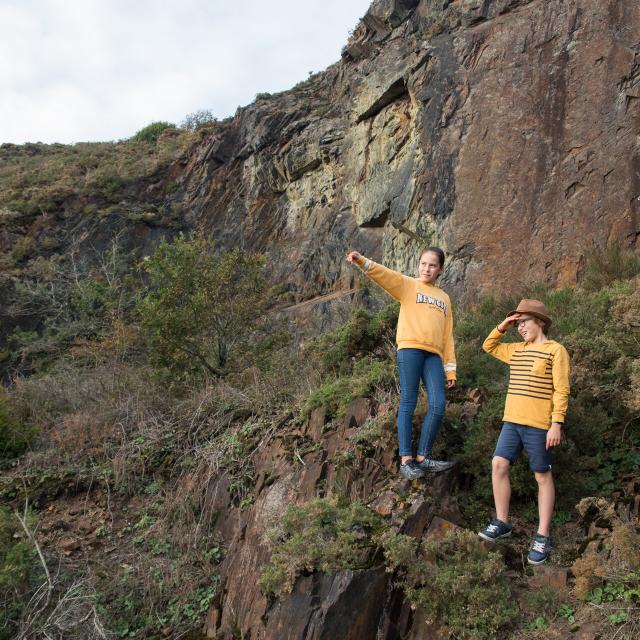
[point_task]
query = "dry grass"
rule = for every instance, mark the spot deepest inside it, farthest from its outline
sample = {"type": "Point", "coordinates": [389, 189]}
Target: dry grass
{"type": "Point", "coordinates": [67, 613]}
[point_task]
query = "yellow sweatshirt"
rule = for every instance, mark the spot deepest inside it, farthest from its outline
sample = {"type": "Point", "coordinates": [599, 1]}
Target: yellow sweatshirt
{"type": "Point", "coordinates": [538, 391]}
{"type": "Point", "coordinates": [425, 320]}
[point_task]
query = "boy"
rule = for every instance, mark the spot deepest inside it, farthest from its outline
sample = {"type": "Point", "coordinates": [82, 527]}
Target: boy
{"type": "Point", "coordinates": [534, 413]}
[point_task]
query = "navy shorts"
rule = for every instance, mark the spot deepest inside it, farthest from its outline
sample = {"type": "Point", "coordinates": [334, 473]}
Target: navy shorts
{"type": "Point", "coordinates": [516, 437]}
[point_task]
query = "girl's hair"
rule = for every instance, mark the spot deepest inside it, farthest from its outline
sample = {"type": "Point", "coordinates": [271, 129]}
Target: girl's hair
{"type": "Point", "coordinates": [438, 251]}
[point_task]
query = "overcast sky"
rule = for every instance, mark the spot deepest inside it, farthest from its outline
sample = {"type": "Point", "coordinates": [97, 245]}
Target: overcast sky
{"type": "Point", "coordinates": [88, 70]}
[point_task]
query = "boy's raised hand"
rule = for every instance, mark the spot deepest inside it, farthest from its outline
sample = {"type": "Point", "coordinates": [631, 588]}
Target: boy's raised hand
{"type": "Point", "coordinates": [507, 322]}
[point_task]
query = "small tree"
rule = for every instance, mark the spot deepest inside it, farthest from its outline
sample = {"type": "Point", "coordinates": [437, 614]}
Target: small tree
{"type": "Point", "coordinates": [199, 305]}
{"type": "Point", "coordinates": [152, 131]}
{"type": "Point", "coordinates": [197, 119]}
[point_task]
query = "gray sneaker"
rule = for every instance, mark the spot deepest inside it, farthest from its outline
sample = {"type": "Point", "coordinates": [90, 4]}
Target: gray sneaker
{"type": "Point", "coordinates": [411, 470]}
{"type": "Point", "coordinates": [434, 466]}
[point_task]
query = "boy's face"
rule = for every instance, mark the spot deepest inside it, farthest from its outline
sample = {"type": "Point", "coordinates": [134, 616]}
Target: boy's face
{"type": "Point", "coordinates": [429, 268]}
{"type": "Point", "coordinates": [528, 327]}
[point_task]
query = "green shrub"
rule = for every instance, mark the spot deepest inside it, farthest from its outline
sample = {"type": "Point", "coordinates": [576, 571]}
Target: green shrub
{"type": "Point", "coordinates": [355, 359]}
{"type": "Point", "coordinates": [364, 333]}
{"type": "Point", "coordinates": [152, 131]}
{"type": "Point", "coordinates": [335, 393]}
{"type": "Point", "coordinates": [471, 327]}
{"type": "Point", "coordinates": [18, 568]}
{"type": "Point", "coordinates": [453, 582]}
{"type": "Point", "coordinates": [608, 265]}
{"type": "Point", "coordinates": [198, 305]}
{"type": "Point", "coordinates": [14, 436]}
{"type": "Point", "coordinates": [63, 301]}
{"type": "Point", "coordinates": [22, 248]}
{"type": "Point", "coordinates": [319, 536]}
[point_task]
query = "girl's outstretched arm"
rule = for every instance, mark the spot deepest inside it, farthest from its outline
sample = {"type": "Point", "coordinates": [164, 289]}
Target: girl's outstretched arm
{"type": "Point", "coordinates": [391, 281]}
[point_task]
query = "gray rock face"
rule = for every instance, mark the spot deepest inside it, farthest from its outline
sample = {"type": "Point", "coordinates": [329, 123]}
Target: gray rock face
{"type": "Point", "coordinates": [346, 604]}
{"type": "Point", "coordinates": [504, 131]}
{"type": "Point", "coordinates": [322, 607]}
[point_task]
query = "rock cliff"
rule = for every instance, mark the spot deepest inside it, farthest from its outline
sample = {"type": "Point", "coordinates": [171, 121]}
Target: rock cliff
{"type": "Point", "coordinates": [505, 131]}
{"type": "Point", "coordinates": [352, 605]}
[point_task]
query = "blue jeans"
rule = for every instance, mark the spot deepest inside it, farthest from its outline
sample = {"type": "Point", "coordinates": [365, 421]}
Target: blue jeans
{"type": "Point", "coordinates": [416, 364]}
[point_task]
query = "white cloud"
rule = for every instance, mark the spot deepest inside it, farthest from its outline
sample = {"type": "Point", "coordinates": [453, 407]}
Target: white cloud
{"type": "Point", "coordinates": [74, 70]}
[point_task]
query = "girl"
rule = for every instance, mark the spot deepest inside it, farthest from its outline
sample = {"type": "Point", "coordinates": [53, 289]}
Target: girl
{"type": "Point", "coordinates": [425, 340]}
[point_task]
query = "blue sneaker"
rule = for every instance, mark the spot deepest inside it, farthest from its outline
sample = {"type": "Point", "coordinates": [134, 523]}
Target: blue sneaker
{"type": "Point", "coordinates": [495, 530]}
{"type": "Point", "coordinates": [540, 549]}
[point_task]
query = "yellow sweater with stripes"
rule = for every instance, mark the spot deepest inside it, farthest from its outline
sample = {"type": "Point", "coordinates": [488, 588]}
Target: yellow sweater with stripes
{"type": "Point", "coordinates": [538, 391]}
{"type": "Point", "coordinates": [425, 321]}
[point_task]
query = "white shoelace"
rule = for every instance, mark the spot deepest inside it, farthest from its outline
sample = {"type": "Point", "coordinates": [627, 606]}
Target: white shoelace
{"type": "Point", "coordinates": [538, 546]}
{"type": "Point", "coordinates": [492, 528]}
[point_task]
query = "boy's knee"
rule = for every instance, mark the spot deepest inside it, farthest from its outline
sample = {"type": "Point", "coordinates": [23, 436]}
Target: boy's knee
{"type": "Point", "coordinates": [500, 464]}
{"type": "Point", "coordinates": [543, 477]}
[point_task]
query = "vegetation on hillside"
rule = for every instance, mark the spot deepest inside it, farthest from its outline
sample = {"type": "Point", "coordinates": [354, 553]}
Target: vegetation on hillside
{"type": "Point", "coordinates": [37, 179]}
{"type": "Point", "coordinates": [100, 405]}
{"type": "Point", "coordinates": [199, 305]}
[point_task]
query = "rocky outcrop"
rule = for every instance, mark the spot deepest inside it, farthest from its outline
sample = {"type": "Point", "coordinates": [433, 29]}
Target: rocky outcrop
{"type": "Point", "coordinates": [505, 131]}
{"type": "Point", "coordinates": [348, 604]}
{"type": "Point", "coordinates": [368, 603]}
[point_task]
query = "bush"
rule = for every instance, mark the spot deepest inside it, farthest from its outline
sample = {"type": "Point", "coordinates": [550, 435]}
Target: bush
{"type": "Point", "coordinates": [471, 327]}
{"type": "Point", "coordinates": [364, 333]}
{"type": "Point", "coordinates": [608, 265]}
{"type": "Point", "coordinates": [152, 131]}
{"type": "Point", "coordinates": [319, 536]}
{"type": "Point", "coordinates": [198, 119]}
{"type": "Point", "coordinates": [454, 583]}
{"type": "Point", "coordinates": [335, 393]}
{"type": "Point", "coordinates": [198, 305]}
{"type": "Point", "coordinates": [60, 301]}
{"type": "Point", "coordinates": [14, 437]}
{"type": "Point", "coordinates": [356, 359]}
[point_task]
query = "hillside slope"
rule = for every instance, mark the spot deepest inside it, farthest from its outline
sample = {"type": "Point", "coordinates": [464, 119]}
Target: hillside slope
{"type": "Point", "coordinates": [498, 129]}
{"type": "Point", "coordinates": [140, 500]}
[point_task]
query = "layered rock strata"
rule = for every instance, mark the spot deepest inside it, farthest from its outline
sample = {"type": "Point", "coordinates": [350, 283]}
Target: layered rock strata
{"type": "Point", "coordinates": [350, 605]}
{"type": "Point", "coordinates": [505, 131]}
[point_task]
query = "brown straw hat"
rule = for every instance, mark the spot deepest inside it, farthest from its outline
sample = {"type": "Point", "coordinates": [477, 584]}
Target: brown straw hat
{"type": "Point", "coordinates": [533, 308]}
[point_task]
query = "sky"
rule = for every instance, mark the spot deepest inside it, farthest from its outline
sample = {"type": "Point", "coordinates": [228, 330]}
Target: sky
{"type": "Point", "coordinates": [98, 70]}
